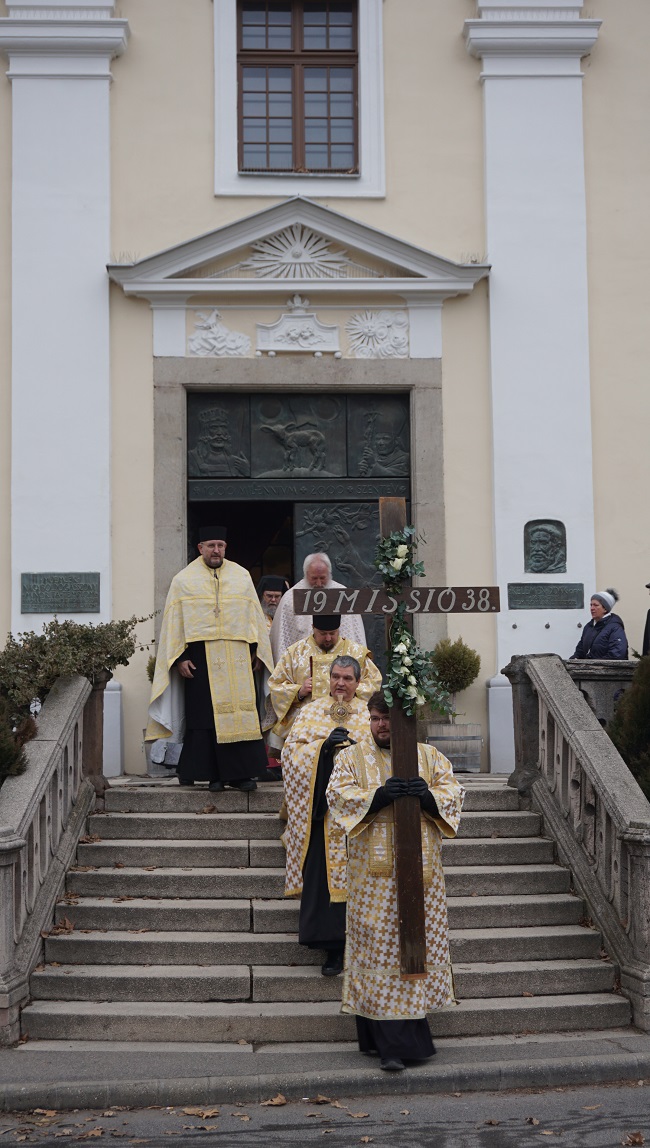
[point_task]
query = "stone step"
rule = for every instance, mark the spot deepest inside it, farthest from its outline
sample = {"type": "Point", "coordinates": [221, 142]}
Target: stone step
{"type": "Point", "coordinates": [271, 916]}
{"type": "Point", "coordinates": [513, 978]}
{"type": "Point", "coordinates": [460, 881]}
{"type": "Point", "coordinates": [306, 1021]}
{"type": "Point", "coordinates": [484, 852]}
{"type": "Point", "coordinates": [118, 947]}
{"type": "Point", "coordinates": [187, 826]}
{"type": "Point", "coordinates": [160, 914]}
{"type": "Point", "coordinates": [160, 854]}
{"type": "Point", "coordinates": [267, 798]}
{"type": "Point", "coordinates": [170, 882]}
{"type": "Point", "coordinates": [302, 983]}
{"type": "Point", "coordinates": [262, 826]}
{"type": "Point", "coordinates": [151, 983]}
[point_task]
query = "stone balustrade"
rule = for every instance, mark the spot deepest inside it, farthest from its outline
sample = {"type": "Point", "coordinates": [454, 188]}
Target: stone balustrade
{"type": "Point", "coordinates": [42, 814]}
{"type": "Point", "coordinates": [568, 769]}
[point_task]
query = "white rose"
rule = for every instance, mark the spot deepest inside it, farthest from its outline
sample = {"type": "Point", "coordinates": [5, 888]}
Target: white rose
{"type": "Point", "coordinates": [404, 670]}
{"type": "Point", "coordinates": [411, 692]}
{"type": "Point", "coordinates": [402, 551]}
{"type": "Point", "coordinates": [401, 649]}
{"type": "Point", "coordinates": [397, 563]}
{"type": "Point", "coordinates": [413, 680]}
{"type": "Point", "coordinates": [421, 699]}
{"type": "Point", "coordinates": [406, 661]}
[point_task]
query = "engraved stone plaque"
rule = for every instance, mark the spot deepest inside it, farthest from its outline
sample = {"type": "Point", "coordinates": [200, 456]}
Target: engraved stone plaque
{"type": "Point", "coordinates": [545, 546]}
{"type": "Point", "coordinates": [59, 593]}
{"type": "Point", "coordinates": [378, 436]}
{"type": "Point", "coordinates": [218, 436]}
{"type": "Point", "coordinates": [298, 436]}
{"type": "Point", "coordinates": [546, 596]}
{"type": "Point", "coordinates": [287, 489]}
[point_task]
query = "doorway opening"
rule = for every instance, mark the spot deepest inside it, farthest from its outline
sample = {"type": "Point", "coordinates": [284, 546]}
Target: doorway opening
{"type": "Point", "coordinates": [260, 534]}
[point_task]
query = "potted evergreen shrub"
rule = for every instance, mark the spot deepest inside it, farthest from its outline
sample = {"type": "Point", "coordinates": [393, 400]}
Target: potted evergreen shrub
{"type": "Point", "coordinates": [457, 666]}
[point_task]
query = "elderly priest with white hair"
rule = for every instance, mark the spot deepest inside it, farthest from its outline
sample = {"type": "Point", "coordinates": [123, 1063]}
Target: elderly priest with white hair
{"type": "Point", "coordinates": [288, 627]}
{"type": "Point", "coordinates": [213, 635]}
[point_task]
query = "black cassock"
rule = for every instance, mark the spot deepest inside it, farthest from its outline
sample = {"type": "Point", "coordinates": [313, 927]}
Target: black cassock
{"type": "Point", "coordinates": [405, 1039]}
{"type": "Point", "coordinates": [203, 758]}
{"type": "Point", "coordinates": [321, 923]}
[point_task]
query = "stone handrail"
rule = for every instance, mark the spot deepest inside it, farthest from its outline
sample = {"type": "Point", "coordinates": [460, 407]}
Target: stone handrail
{"type": "Point", "coordinates": [42, 813]}
{"type": "Point", "coordinates": [592, 807]}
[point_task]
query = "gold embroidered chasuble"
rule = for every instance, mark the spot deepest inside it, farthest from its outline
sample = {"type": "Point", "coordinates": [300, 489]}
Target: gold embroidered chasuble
{"type": "Point", "coordinates": [300, 758]}
{"type": "Point", "coordinates": [293, 668]}
{"type": "Point", "coordinates": [372, 985]}
{"type": "Point", "coordinates": [221, 608]}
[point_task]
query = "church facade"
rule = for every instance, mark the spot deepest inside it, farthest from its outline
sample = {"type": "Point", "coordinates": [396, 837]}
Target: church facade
{"type": "Point", "coordinates": [265, 261]}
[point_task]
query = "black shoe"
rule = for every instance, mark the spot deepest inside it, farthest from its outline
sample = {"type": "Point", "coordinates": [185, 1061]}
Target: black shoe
{"type": "Point", "coordinates": [185, 784]}
{"type": "Point", "coordinates": [392, 1064]}
{"type": "Point", "coordinates": [270, 775]}
{"type": "Point", "coordinates": [216, 786]}
{"type": "Point", "coordinates": [245, 786]}
{"type": "Point", "coordinates": [333, 964]}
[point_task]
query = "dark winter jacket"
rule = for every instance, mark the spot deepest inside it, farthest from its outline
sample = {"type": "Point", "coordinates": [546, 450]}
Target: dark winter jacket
{"type": "Point", "coordinates": [603, 639]}
{"type": "Point", "coordinates": [646, 637]}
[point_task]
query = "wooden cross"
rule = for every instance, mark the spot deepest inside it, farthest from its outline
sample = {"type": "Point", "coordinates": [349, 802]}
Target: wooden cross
{"type": "Point", "coordinates": [403, 728]}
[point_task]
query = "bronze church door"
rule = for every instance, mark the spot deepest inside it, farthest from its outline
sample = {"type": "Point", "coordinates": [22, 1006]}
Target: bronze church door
{"type": "Point", "coordinates": [290, 474]}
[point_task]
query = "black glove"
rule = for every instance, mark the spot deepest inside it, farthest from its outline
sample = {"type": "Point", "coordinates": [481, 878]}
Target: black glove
{"type": "Point", "coordinates": [417, 787]}
{"type": "Point", "coordinates": [396, 787]}
{"type": "Point", "coordinates": [380, 800]}
{"type": "Point", "coordinates": [337, 737]}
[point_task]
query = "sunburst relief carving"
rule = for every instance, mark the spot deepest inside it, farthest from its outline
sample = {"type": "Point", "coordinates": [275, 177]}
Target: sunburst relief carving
{"type": "Point", "coordinates": [297, 252]}
{"type": "Point", "coordinates": [378, 334]}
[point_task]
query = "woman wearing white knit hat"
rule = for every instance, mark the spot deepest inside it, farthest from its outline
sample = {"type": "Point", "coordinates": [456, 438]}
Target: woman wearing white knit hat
{"type": "Point", "coordinates": [603, 638]}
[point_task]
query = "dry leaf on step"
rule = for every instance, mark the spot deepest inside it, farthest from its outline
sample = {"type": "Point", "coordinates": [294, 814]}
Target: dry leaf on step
{"type": "Point", "coordinates": [590, 1107]}
{"type": "Point", "coordinates": [634, 1138]}
{"type": "Point", "coordinates": [532, 1120]}
{"type": "Point", "coordinates": [204, 1113]}
{"type": "Point", "coordinates": [359, 1115]}
{"type": "Point", "coordinates": [208, 809]}
{"type": "Point", "coordinates": [320, 1099]}
{"type": "Point", "coordinates": [492, 1122]}
{"type": "Point", "coordinates": [366, 1140]}
{"type": "Point", "coordinates": [45, 1112]}
{"type": "Point", "coordinates": [405, 1111]}
{"type": "Point", "coordinates": [275, 1102]}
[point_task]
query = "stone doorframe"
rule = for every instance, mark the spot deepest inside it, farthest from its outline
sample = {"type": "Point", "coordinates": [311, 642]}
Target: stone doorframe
{"type": "Point", "coordinates": [420, 378]}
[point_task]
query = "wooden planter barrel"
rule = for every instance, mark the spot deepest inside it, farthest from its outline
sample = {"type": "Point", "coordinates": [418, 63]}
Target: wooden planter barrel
{"type": "Point", "coordinates": [460, 744]}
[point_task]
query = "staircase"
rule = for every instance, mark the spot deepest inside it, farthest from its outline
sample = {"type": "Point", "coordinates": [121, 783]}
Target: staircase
{"type": "Point", "coordinates": [173, 927]}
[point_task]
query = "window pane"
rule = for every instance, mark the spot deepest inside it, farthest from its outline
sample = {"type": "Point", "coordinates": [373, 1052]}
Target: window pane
{"type": "Point", "coordinates": [315, 79]}
{"type": "Point", "coordinates": [341, 79]}
{"type": "Point", "coordinates": [253, 38]}
{"type": "Point", "coordinates": [253, 12]}
{"type": "Point", "coordinates": [280, 14]}
{"type": "Point", "coordinates": [279, 104]}
{"type": "Point", "coordinates": [254, 105]}
{"type": "Point", "coordinates": [315, 104]}
{"type": "Point", "coordinates": [280, 131]}
{"type": "Point", "coordinates": [342, 157]}
{"type": "Point", "coordinates": [340, 39]}
{"type": "Point", "coordinates": [340, 13]}
{"type": "Point", "coordinates": [341, 104]}
{"type": "Point", "coordinates": [316, 157]}
{"type": "Point", "coordinates": [342, 131]}
{"type": "Point", "coordinates": [279, 38]}
{"type": "Point", "coordinates": [254, 79]}
{"type": "Point", "coordinates": [254, 156]}
{"type": "Point", "coordinates": [254, 131]}
{"type": "Point", "coordinates": [315, 39]}
{"type": "Point", "coordinates": [279, 79]}
{"type": "Point", "coordinates": [280, 157]}
{"type": "Point", "coordinates": [315, 13]}
{"type": "Point", "coordinates": [316, 131]}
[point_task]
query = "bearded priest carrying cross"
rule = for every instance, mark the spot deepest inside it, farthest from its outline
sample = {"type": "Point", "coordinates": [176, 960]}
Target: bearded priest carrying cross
{"type": "Point", "coordinates": [390, 1010]}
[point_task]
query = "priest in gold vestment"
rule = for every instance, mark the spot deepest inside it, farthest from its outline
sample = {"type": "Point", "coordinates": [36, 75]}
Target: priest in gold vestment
{"type": "Point", "coordinates": [390, 1011]}
{"type": "Point", "coordinates": [316, 859]}
{"type": "Point", "coordinates": [303, 672]}
{"type": "Point", "coordinates": [213, 634]}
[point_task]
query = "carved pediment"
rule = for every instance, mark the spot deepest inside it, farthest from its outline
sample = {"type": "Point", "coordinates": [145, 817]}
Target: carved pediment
{"type": "Point", "coordinates": [297, 241]}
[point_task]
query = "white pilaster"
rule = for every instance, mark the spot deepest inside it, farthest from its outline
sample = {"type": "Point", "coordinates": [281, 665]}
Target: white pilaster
{"type": "Point", "coordinates": [170, 326]}
{"type": "Point", "coordinates": [59, 63]}
{"type": "Point", "coordinates": [536, 235]}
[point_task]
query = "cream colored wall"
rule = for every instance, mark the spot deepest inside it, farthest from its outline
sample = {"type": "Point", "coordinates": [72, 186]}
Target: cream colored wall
{"type": "Point", "coordinates": [162, 125]}
{"type": "Point", "coordinates": [5, 352]}
{"type": "Point", "coordinates": [617, 105]}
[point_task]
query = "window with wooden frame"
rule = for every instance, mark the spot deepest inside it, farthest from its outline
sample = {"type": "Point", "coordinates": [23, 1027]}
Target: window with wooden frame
{"type": "Point", "coordinates": [298, 82]}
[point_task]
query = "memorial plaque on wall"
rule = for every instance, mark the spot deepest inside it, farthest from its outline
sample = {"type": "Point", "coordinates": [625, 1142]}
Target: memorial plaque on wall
{"type": "Point", "coordinates": [59, 593]}
{"type": "Point", "coordinates": [546, 596]}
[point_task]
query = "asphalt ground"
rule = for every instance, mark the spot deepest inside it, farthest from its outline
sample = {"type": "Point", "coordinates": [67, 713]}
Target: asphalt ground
{"type": "Point", "coordinates": [589, 1117]}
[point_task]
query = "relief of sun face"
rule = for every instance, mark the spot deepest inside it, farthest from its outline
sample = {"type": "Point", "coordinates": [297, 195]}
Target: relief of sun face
{"type": "Point", "coordinates": [297, 252]}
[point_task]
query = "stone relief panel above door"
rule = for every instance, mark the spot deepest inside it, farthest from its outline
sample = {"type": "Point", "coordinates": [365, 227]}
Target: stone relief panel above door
{"type": "Point", "coordinates": [378, 436]}
{"type": "Point", "coordinates": [298, 436]}
{"type": "Point", "coordinates": [218, 436]}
